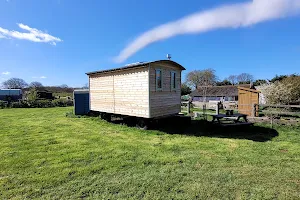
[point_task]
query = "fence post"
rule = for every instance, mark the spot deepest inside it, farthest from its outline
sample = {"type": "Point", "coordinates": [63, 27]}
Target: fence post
{"type": "Point", "coordinates": [204, 111]}
{"type": "Point", "coordinates": [217, 109]}
{"type": "Point", "coordinates": [253, 110]}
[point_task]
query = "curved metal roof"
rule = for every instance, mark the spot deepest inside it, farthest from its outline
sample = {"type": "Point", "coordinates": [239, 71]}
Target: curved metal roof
{"type": "Point", "coordinates": [136, 65]}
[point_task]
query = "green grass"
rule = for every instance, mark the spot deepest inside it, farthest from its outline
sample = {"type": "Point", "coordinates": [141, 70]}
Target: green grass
{"type": "Point", "coordinates": [45, 155]}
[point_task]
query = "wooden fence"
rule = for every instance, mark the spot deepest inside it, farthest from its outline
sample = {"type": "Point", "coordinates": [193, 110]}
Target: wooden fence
{"type": "Point", "coordinates": [276, 110]}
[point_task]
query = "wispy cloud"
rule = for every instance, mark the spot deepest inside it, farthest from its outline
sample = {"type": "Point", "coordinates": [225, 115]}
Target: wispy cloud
{"type": "Point", "coordinates": [5, 73]}
{"type": "Point", "coordinates": [39, 77]}
{"type": "Point", "coordinates": [230, 16]}
{"type": "Point", "coordinates": [33, 35]}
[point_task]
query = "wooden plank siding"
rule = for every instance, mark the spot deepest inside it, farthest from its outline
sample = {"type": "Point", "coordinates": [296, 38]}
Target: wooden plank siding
{"type": "Point", "coordinates": [132, 91]}
{"type": "Point", "coordinates": [123, 92]}
{"type": "Point", "coordinates": [165, 102]}
{"type": "Point", "coordinates": [247, 98]}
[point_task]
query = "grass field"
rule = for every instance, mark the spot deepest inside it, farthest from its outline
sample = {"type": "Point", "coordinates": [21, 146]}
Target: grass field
{"type": "Point", "coordinates": [46, 155]}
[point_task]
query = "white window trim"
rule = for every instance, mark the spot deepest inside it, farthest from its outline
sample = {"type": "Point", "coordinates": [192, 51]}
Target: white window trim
{"type": "Point", "coordinates": [161, 76]}
{"type": "Point", "coordinates": [173, 86]}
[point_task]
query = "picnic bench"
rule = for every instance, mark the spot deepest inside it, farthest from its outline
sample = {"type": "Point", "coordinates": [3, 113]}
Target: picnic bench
{"type": "Point", "coordinates": [231, 120]}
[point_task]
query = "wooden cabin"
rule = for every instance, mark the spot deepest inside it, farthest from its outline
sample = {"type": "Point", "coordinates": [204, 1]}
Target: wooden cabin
{"type": "Point", "coordinates": [144, 89]}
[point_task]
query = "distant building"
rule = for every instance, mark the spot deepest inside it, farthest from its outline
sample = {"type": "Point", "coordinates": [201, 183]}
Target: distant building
{"type": "Point", "coordinates": [45, 94]}
{"type": "Point", "coordinates": [217, 93]}
{"type": "Point", "coordinates": [10, 94]}
{"type": "Point", "coordinates": [223, 94]}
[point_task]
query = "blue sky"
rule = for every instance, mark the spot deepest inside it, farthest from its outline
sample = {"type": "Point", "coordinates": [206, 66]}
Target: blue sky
{"type": "Point", "coordinates": [94, 32]}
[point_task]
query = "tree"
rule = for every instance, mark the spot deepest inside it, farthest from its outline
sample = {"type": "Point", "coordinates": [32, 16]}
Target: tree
{"type": "Point", "coordinates": [245, 78]}
{"type": "Point", "coordinates": [293, 83]}
{"type": "Point", "coordinates": [276, 93]}
{"type": "Point", "coordinates": [14, 83]}
{"type": "Point", "coordinates": [232, 79]}
{"type": "Point", "coordinates": [32, 94]}
{"type": "Point", "coordinates": [282, 92]}
{"type": "Point", "coordinates": [259, 82]}
{"type": "Point", "coordinates": [35, 84]}
{"type": "Point", "coordinates": [85, 86]}
{"type": "Point", "coordinates": [278, 78]}
{"type": "Point", "coordinates": [224, 82]}
{"type": "Point", "coordinates": [64, 86]}
{"type": "Point", "coordinates": [185, 89]}
{"type": "Point", "coordinates": [204, 77]}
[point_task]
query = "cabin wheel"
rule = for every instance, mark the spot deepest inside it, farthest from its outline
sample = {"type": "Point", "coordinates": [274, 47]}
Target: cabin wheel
{"type": "Point", "coordinates": [142, 123]}
{"type": "Point", "coordinates": [106, 116]}
{"type": "Point", "coordinates": [130, 121]}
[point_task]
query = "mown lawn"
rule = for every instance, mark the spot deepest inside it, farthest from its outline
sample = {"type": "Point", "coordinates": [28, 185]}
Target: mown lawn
{"type": "Point", "coordinates": [46, 155]}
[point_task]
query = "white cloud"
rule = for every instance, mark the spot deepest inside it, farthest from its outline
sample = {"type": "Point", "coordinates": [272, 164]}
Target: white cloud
{"type": "Point", "coordinates": [39, 77]}
{"type": "Point", "coordinates": [5, 73]}
{"type": "Point", "coordinates": [230, 16]}
{"type": "Point", "coordinates": [33, 35]}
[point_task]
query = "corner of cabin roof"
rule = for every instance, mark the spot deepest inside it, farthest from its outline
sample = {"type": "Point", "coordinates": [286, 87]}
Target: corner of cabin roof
{"type": "Point", "coordinates": [135, 65]}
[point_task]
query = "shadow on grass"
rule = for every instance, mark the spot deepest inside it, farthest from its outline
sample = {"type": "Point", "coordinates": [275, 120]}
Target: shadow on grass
{"type": "Point", "coordinates": [204, 128]}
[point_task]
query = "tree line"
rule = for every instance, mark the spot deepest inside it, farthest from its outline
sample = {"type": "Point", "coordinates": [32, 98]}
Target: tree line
{"type": "Point", "coordinates": [208, 77]}
{"type": "Point", "coordinates": [18, 83]}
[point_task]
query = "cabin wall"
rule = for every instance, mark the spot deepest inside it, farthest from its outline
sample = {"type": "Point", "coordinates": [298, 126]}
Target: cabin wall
{"type": "Point", "coordinates": [164, 102]}
{"type": "Point", "coordinates": [124, 92]}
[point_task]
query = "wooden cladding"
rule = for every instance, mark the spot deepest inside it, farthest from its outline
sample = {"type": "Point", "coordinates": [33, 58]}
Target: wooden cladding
{"type": "Point", "coordinates": [247, 99]}
{"type": "Point", "coordinates": [150, 91]}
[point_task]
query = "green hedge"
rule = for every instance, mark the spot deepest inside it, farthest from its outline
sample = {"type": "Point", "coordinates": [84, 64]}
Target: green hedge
{"type": "Point", "coordinates": [41, 103]}
{"type": "Point", "coordinates": [3, 104]}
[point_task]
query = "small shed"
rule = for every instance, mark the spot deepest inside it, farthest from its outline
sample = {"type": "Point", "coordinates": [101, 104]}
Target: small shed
{"type": "Point", "coordinates": [81, 102]}
{"type": "Point", "coordinates": [247, 99]}
{"type": "Point", "coordinates": [44, 94]}
{"type": "Point", "coordinates": [143, 89]}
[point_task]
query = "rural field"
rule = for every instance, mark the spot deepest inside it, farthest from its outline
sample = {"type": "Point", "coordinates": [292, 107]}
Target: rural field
{"type": "Point", "coordinates": [46, 155]}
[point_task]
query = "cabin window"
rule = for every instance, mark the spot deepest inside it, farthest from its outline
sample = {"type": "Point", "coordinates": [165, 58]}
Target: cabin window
{"type": "Point", "coordinates": [173, 80]}
{"type": "Point", "coordinates": [158, 79]}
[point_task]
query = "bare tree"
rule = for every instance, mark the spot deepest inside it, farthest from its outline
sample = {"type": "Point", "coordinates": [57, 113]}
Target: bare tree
{"type": "Point", "coordinates": [85, 86]}
{"type": "Point", "coordinates": [245, 78]}
{"type": "Point", "coordinates": [232, 79]}
{"type": "Point", "coordinates": [14, 83]}
{"type": "Point", "coordinates": [35, 84]}
{"type": "Point", "coordinates": [64, 86]}
{"type": "Point", "coordinates": [208, 78]}
{"type": "Point", "coordinates": [204, 77]}
{"type": "Point", "coordinates": [194, 78]}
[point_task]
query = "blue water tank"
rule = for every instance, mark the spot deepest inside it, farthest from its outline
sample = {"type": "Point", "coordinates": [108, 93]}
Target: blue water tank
{"type": "Point", "coordinates": [81, 102]}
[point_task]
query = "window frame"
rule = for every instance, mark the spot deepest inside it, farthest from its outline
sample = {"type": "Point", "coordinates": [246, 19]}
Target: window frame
{"type": "Point", "coordinates": [161, 79]}
{"type": "Point", "coordinates": [173, 84]}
